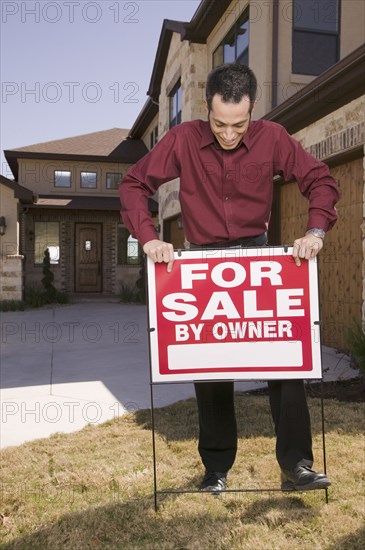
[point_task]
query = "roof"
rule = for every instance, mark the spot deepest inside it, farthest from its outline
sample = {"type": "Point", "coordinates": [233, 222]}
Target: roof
{"type": "Point", "coordinates": [104, 146]}
{"type": "Point", "coordinates": [204, 20]}
{"type": "Point", "coordinates": [168, 28]}
{"type": "Point", "coordinates": [20, 192]}
{"type": "Point", "coordinates": [97, 143]}
{"type": "Point", "coordinates": [77, 202]}
{"type": "Point", "coordinates": [144, 119]}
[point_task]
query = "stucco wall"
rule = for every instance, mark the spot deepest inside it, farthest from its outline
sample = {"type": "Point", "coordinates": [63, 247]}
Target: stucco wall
{"type": "Point", "coordinates": [9, 209]}
{"type": "Point", "coordinates": [261, 46]}
{"type": "Point", "coordinates": [38, 175]}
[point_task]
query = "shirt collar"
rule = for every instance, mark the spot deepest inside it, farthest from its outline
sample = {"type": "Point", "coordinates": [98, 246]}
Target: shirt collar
{"type": "Point", "coordinates": [208, 137]}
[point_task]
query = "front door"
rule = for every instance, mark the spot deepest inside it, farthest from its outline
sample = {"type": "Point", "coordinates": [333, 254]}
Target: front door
{"type": "Point", "coordinates": [88, 257]}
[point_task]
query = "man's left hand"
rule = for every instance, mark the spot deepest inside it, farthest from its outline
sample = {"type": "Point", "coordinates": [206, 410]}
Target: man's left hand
{"type": "Point", "coordinates": [306, 248]}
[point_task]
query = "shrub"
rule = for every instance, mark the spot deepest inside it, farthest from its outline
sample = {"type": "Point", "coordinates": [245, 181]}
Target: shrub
{"type": "Point", "coordinates": [47, 280]}
{"type": "Point", "coordinates": [356, 342]}
{"type": "Point", "coordinates": [12, 305]}
{"type": "Point", "coordinates": [141, 285]}
{"type": "Point", "coordinates": [127, 294]}
{"type": "Point", "coordinates": [34, 297]}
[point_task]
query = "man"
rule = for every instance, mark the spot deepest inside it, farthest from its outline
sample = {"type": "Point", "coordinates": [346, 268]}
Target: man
{"type": "Point", "coordinates": [226, 168]}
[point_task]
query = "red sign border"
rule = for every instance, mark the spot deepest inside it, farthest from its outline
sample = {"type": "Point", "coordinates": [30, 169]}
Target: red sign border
{"type": "Point", "coordinates": [231, 253]}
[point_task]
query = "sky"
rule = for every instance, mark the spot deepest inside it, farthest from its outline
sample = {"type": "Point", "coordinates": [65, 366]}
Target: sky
{"type": "Point", "coordinates": [73, 67]}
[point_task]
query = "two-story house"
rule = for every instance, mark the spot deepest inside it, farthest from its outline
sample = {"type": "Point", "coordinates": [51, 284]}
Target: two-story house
{"type": "Point", "coordinates": [75, 211]}
{"type": "Point", "coordinates": [309, 58]}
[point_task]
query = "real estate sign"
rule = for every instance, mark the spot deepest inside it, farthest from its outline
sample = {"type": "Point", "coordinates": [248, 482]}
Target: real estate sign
{"type": "Point", "coordinates": [234, 314]}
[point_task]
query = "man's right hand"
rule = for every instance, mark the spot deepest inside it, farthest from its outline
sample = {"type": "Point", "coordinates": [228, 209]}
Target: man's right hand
{"type": "Point", "coordinates": [159, 251]}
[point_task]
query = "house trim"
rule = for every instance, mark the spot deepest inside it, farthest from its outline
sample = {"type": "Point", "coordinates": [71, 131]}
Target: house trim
{"type": "Point", "coordinates": [336, 87]}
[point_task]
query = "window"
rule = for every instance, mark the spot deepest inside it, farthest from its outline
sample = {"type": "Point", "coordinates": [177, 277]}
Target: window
{"type": "Point", "coordinates": [88, 180]}
{"type": "Point", "coordinates": [46, 235]}
{"type": "Point", "coordinates": [62, 178]}
{"type": "Point", "coordinates": [153, 137]}
{"type": "Point", "coordinates": [315, 36]}
{"type": "Point", "coordinates": [175, 105]}
{"type": "Point", "coordinates": [234, 47]}
{"type": "Point", "coordinates": [112, 180]}
{"type": "Point", "coordinates": [129, 250]}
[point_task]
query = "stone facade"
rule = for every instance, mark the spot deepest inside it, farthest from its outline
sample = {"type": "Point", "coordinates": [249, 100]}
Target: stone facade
{"type": "Point", "coordinates": [11, 286]}
{"type": "Point", "coordinates": [11, 275]}
{"type": "Point", "coordinates": [342, 261]}
{"type": "Point", "coordinates": [326, 139]}
{"type": "Point", "coordinates": [188, 63]}
{"type": "Point", "coordinates": [341, 129]}
{"type": "Point", "coordinates": [363, 245]}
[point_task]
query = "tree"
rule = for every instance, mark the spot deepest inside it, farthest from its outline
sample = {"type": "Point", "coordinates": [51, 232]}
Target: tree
{"type": "Point", "coordinates": [47, 280]}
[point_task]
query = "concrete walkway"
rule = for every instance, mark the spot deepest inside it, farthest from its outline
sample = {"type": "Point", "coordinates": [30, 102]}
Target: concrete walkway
{"type": "Point", "coordinates": [68, 366]}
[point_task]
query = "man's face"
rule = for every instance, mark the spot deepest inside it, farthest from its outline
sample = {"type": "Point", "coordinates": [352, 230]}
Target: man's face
{"type": "Point", "coordinates": [229, 121]}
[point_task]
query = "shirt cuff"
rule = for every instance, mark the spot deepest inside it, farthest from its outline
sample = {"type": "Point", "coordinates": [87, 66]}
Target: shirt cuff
{"type": "Point", "coordinates": [320, 222]}
{"type": "Point", "coordinates": [148, 234]}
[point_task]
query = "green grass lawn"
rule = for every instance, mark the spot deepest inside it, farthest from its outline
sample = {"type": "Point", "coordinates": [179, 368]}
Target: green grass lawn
{"type": "Point", "coordinates": [94, 488]}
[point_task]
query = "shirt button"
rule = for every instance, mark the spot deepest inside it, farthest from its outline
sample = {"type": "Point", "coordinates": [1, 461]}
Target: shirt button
{"type": "Point", "coordinates": [227, 198]}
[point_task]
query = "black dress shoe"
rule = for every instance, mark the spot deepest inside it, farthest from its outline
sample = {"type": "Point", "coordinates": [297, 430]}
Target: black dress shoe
{"type": "Point", "coordinates": [302, 478]}
{"type": "Point", "coordinates": [214, 482]}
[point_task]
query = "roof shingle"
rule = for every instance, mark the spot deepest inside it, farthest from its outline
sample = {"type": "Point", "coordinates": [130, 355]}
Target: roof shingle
{"type": "Point", "coordinates": [100, 143]}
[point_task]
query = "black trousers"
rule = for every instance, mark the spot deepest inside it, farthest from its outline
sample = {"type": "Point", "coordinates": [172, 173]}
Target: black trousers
{"type": "Point", "coordinates": [218, 428]}
{"type": "Point", "coordinates": [217, 421]}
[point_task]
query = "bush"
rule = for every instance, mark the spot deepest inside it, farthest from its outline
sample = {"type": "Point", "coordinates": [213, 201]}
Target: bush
{"type": "Point", "coordinates": [141, 285]}
{"type": "Point", "coordinates": [12, 305]}
{"type": "Point", "coordinates": [356, 342]}
{"type": "Point", "coordinates": [127, 294]}
{"type": "Point", "coordinates": [34, 297]}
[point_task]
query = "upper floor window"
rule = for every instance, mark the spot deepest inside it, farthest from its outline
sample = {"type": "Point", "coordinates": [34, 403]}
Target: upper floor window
{"type": "Point", "coordinates": [153, 137]}
{"type": "Point", "coordinates": [88, 180]}
{"type": "Point", "coordinates": [112, 180]}
{"type": "Point", "coordinates": [234, 47]}
{"type": "Point", "coordinates": [315, 35]}
{"type": "Point", "coordinates": [62, 178]}
{"type": "Point", "coordinates": [175, 105]}
{"type": "Point", "coordinates": [46, 235]}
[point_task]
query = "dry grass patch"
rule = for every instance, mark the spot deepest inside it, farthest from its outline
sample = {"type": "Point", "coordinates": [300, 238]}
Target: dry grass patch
{"type": "Point", "coordinates": [94, 488]}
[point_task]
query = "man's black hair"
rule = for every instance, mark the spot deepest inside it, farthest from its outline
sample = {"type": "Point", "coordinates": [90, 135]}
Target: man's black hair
{"type": "Point", "coordinates": [232, 81]}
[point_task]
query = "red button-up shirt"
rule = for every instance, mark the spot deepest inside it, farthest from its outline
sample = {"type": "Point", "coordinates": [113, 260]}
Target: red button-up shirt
{"type": "Point", "coordinates": [225, 194]}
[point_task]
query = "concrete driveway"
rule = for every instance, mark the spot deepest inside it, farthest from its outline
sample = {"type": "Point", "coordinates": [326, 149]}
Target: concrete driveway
{"type": "Point", "coordinates": [68, 366]}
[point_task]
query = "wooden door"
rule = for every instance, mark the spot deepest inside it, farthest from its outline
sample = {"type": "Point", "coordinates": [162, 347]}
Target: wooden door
{"type": "Point", "coordinates": [88, 257]}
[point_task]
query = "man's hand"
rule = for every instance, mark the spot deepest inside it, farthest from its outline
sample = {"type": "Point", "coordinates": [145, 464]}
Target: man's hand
{"type": "Point", "coordinates": [159, 251]}
{"type": "Point", "coordinates": [307, 247]}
